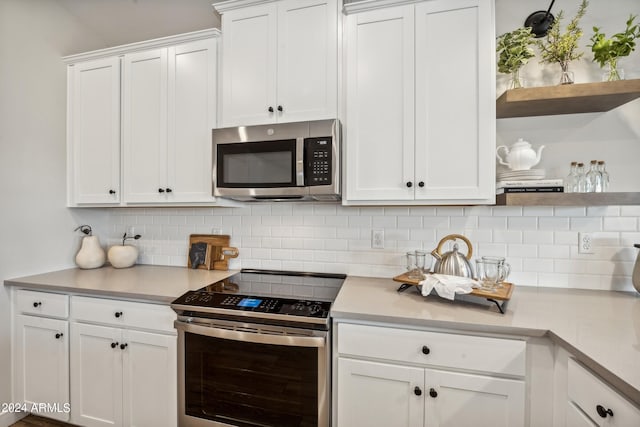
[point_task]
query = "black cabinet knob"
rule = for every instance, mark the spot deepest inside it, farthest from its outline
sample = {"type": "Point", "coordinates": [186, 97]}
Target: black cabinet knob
{"type": "Point", "coordinates": [160, 190]}
{"type": "Point", "coordinates": [118, 314]}
{"type": "Point", "coordinates": [123, 346]}
{"type": "Point", "coordinates": [37, 304]}
{"type": "Point", "coordinates": [604, 412]}
{"type": "Point", "coordinates": [417, 391]}
{"type": "Point", "coordinates": [409, 184]}
{"type": "Point", "coordinates": [114, 344]}
{"type": "Point", "coordinates": [425, 349]}
{"type": "Point", "coordinates": [169, 190]}
{"type": "Point", "coordinates": [112, 192]}
{"type": "Point", "coordinates": [421, 184]}
{"type": "Point", "coordinates": [270, 109]}
{"type": "Point", "coordinates": [280, 108]}
{"type": "Point", "coordinates": [59, 335]}
{"type": "Point", "coordinates": [433, 393]}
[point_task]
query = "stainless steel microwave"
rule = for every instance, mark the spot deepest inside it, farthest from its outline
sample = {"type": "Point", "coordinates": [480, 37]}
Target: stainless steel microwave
{"type": "Point", "coordinates": [285, 161]}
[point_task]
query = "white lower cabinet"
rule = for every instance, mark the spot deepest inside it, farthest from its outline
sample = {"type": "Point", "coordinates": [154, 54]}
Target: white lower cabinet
{"type": "Point", "coordinates": [42, 365]}
{"type": "Point", "coordinates": [413, 384]}
{"type": "Point", "coordinates": [591, 402]}
{"type": "Point", "coordinates": [122, 373]}
{"type": "Point", "coordinates": [41, 353]}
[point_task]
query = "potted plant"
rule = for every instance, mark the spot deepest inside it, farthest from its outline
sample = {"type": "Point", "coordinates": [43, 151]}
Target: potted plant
{"type": "Point", "coordinates": [606, 52]}
{"type": "Point", "coordinates": [514, 51]}
{"type": "Point", "coordinates": [123, 256]}
{"type": "Point", "coordinates": [562, 48]}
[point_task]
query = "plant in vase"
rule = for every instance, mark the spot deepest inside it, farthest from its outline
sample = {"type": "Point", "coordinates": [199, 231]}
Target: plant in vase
{"type": "Point", "coordinates": [123, 256]}
{"type": "Point", "coordinates": [514, 51]}
{"type": "Point", "coordinates": [562, 48]}
{"type": "Point", "coordinates": [606, 52]}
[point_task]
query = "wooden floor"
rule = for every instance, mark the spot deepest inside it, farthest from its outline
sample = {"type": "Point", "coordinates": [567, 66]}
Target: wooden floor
{"type": "Point", "coordinates": [33, 421]}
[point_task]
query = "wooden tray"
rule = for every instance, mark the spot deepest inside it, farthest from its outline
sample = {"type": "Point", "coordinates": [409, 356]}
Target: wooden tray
{"type": "Point", "coordinates": [217, 253]}
{"type": "Point", "coordinates": [502, 294]}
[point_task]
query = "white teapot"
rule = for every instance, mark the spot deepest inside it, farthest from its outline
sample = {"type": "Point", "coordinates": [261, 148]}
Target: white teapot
{"type": "Point", "coordinates": [520, 156]}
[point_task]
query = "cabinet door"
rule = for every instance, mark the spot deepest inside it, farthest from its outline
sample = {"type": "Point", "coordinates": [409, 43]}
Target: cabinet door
{"type": "Point", "coordinates": [249, 65]}
{"type": "Point", "coordinates": [380, 105]}
{"type": "Point", "coordinates": [42, 363]}
{"type": "Point", "coordinates": [577, 418]}
{"type": "Point", "coordinates": [455, 101]}
{"type": "Point", "coordinates": [145, 126]}
{"type": "Point", "coordinates": [150, 379]}
{"type": "Point", "coordinates": [191, 116]}
{"type": "Point", "coordinates": [96, 375]}
{"type": "Point", "coordinates": [94, 132]}
{"type": "Point", "coordinates": [379, 395]}
{"type": "Point", "coordinates": [307, 60]}
{"type": "Point", "coordinates": [457, 399]}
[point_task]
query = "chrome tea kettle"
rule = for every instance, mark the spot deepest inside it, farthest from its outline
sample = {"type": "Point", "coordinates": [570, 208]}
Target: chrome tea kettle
{"type": "Point", "coordinates": [453, 262]}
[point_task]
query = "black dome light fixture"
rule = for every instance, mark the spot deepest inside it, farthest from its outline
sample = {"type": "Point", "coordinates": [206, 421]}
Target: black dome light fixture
{"type": "Point", "coordinates": [540, 21]}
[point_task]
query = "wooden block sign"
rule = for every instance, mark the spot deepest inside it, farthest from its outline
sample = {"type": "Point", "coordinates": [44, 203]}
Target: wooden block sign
{"type": "Point", "coordinates": [210, 251]}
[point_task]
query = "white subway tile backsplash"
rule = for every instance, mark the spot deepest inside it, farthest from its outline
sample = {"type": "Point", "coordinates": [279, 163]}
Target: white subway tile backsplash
{"type": "Point", "coordinates": [540, 243]}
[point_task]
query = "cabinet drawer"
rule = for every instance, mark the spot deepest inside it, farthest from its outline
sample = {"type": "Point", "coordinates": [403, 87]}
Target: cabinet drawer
{"type": "Point", "coordinates": [588, 392]}
{"type": "Point", "coordinates": [433, 348]}
{"type": "Point", "coordinates": [42, 303]}
{"type": "Point", "coordinates": [125, 314]}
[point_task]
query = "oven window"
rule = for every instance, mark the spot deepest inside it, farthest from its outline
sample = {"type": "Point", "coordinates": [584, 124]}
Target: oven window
{"type": "Point", "coordinates": [249, 384]}
{"type": "Point", "coordinates": [256, 164]}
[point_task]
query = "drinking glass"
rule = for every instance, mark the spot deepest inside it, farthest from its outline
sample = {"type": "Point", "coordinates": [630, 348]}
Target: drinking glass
{"type": "Point", "coordinates": [415, 265]}
{"type": "Point", "coordinates": [489, 273]}
{"type": "Point", "coordinates": [505, 268]}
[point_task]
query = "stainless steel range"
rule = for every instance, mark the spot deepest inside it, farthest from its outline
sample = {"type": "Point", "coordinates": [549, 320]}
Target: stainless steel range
{"type": "Point", "coordinates": [255, 350]}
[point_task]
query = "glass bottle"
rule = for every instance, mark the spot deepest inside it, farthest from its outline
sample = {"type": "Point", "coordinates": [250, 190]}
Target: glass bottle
{"type": "Point", "coordinates": [571, 181]}
{"type": "Point", "coordinates": [581, 187]}
{"type": "Point", "coordinates": [591, 177]}
{"type": "Point", "coordinates": [604, 175]}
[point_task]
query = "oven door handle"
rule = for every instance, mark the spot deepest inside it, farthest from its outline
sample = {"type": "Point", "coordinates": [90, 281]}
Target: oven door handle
{"type": "Point", "coordinates": [253, 337]}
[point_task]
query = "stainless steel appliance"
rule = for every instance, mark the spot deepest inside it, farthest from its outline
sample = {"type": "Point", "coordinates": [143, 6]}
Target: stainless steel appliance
{"type": "Point", "coordinates": [255, 350]}
{"type": "Point", "coordinates": [286, 161]}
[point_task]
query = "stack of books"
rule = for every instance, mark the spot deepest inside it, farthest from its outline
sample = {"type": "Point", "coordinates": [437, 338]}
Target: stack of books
{"type": "Point", "coordinates": [553, 185]}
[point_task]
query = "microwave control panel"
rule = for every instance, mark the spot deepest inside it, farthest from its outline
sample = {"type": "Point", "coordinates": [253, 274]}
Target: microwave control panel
{"type": "Point", "coordinates": [318, 161]}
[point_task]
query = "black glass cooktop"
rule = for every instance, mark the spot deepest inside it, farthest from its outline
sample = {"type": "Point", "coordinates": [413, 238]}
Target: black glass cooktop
{"type": "Point", "coordinates": [267, 291]}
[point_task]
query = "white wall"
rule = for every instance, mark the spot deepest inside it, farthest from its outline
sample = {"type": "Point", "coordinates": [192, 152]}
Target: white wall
{"type": "Point", "coordinates": [36, 230]}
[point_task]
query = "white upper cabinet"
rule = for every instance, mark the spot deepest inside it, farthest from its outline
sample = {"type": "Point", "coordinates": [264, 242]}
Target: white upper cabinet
{"type": "Point", "coordinates": [149, 107]}
{"type": "Point", "coordinates": [279, 61]}
{"type": "Point", "coordinates": [94, 132]}
{"type": "Point", "coordinates": [168, 114]}
{"type": "Point", "coordinates": [420, 113]}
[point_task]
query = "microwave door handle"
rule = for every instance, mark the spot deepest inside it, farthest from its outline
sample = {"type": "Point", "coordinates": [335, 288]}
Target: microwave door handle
{"type": "Point", "coordinates": [299, 162]}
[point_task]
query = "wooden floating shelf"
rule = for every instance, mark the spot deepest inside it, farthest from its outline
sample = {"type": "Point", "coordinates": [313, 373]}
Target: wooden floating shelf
{"type": "Point", "coordinates": [566, 99]}
{"type": "Point", "coordinates": [568, 199]}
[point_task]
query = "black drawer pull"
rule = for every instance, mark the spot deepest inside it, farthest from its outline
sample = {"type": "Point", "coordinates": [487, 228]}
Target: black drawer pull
{"type": "Point", "coordinates": [37, 304]}
{"type": "Point", "coordinates": [123, 346]}
{"type": "Point", "coordinates": [417, 391]}
{"type": "Point", "coordinates": [59, 335]}
{"type": "Point", "coordinates": [114, 344]}
{"type": "Point", "coordinates": [118, 314]}
{"type": "Point", "coordinates": [425, 349]}
{"type": "Point", "coordinates": [604, 412]}
{"type": "Point", "coordinates": [433, 393]}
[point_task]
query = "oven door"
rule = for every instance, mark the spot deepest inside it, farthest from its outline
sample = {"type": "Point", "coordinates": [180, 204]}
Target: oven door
{"type": "Point", "coordinates": [254, 169]}
{"type": "Point", "coordinates": [233, 374]}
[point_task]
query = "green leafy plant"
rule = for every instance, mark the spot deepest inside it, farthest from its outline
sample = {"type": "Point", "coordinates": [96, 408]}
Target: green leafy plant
{"type": "Point", "coordinates": [514, 51]}
{"type": "Point", "coordinates": [608, 51]}
{"type": "Point", "coordinates": [562, 48]}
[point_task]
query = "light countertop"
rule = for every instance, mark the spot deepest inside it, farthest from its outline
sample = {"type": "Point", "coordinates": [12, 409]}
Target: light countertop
{"type": "Point", "coordinates": [150, 283]}
{"type": "Point", "coordinates": [602, 329]}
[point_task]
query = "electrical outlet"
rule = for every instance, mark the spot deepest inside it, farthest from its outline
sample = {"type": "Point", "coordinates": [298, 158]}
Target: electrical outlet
{"type": "Point", "coordinates": [585, 243]}
{"type": "Point", "coordinates": [377, 239]}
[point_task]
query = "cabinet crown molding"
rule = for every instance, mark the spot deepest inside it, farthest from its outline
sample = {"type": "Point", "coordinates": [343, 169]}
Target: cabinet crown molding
{"type": "Point", "coordinates": [228, 5]}
{"type": "Point", "coordinates": [143, 45]}
{"type": "Point", "coordinates": [364, 5]}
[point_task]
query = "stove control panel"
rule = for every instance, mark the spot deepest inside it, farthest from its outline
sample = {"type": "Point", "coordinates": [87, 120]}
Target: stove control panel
{"type": "Point", "coordinates": [294, 307]}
